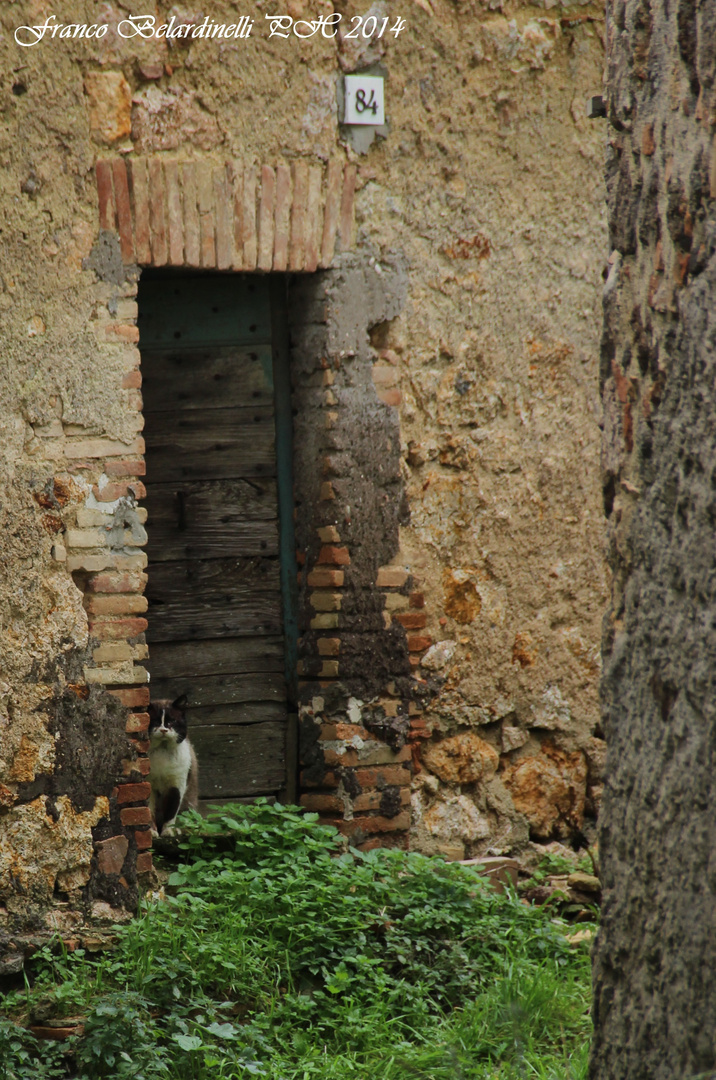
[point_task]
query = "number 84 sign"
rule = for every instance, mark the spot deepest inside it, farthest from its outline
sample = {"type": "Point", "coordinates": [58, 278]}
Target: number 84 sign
{"type": "Point", "coordinates": [364, 100]}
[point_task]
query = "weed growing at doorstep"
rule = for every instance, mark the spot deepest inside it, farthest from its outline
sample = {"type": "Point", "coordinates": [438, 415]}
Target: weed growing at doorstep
{"type": "Point", "coordinates": [280, 955]}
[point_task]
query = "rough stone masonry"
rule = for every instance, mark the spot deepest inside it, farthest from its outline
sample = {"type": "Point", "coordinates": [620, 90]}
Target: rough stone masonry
{"type": "Point", "coordinates": [444, 283]}
{"type": "Point", "coordinates": [655, 957]}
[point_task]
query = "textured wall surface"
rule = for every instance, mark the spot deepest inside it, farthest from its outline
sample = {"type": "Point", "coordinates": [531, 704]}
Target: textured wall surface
{"type": "Point", "coordinates": [486, 191]}
{"type": "Point", "coordinates": [656, 955]}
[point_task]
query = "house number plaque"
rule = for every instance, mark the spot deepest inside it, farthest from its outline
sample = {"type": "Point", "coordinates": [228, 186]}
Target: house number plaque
{"type": "Point", "coordinates": [364, 100]}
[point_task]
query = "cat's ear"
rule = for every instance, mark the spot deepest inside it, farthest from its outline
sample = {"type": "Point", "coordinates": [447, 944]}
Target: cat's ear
{"type": "Point", "coordinates": [180, 703]}
{"type": "Point", "coordinates": [153, 711]}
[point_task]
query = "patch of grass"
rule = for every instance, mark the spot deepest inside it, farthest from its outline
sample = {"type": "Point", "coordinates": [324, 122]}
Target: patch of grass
{"type": "Point", "coordinates": [280, 955]}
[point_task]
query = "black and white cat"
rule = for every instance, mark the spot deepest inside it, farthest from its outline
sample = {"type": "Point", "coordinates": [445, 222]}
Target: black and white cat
{"type": "Point", "coordinates": [173, 768]}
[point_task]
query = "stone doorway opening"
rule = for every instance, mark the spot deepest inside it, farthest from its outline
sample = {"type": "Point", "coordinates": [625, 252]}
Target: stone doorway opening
{"type": "Point", "coordinates": [221, 572]}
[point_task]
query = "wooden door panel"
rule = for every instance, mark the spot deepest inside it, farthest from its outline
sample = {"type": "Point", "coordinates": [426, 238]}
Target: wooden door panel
{"type": "Point", "coordinates": [194, 312]}
{"type": "Point", "coordinates": [236, 688]}
{"type": "Point", "coordinates": [212, 518]}
{"type": "Point", "coordinates": [244, 760]}
{"type": "Point", "coordinates": [205, 378]}
{"type": "Point", "coordinates": [215, 657]}
{"type": "Point", "coordinates": [215, 549]}
{"type": "Point", "coordinates": [211, 444]}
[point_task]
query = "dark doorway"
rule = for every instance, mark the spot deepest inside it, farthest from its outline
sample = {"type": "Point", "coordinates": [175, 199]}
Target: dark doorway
{"type": "Point", "coordinates": [221, 555]}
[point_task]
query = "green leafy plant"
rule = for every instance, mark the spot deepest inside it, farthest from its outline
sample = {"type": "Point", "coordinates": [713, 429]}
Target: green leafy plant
{"type": "Point", "coordinates": [281, 954]}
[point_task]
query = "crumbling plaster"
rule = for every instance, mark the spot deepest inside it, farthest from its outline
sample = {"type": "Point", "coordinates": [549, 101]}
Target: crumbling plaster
{"type": "Point", "coordinates": [489, 186]}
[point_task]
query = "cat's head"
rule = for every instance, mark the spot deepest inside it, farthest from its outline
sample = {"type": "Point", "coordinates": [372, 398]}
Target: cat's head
{"type": "Point", "coordinates": [167, 721]}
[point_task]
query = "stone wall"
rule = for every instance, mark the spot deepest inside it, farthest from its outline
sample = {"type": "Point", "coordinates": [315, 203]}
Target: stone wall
{"type": "Point", "coordinates": [444, 357]}
{"type": "Point", "coordinates": [655, 960]}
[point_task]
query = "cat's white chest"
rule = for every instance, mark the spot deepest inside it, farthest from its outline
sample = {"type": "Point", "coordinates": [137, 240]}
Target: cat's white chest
{"type": "Point", "coordinates": [170, 767]}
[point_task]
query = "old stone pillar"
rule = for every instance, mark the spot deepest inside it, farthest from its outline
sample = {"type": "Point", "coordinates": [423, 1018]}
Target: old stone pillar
{"type": "Point", "coordinates": [655, 962]}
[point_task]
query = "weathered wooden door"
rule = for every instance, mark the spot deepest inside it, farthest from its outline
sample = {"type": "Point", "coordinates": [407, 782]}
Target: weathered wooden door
{"type": "Point", "coordinates": [220, 574]}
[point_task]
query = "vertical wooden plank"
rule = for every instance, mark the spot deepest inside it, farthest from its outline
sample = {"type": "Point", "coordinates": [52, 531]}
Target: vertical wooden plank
{"type": "Point", "coordinates": [156, 212]}
{"type": "Point", "coordinates": [224, 219]}
{"type": "Point", "coordinates": [347, 201]}
{"type": "Point", "coordinates": [236, 194]}
{"type": "Point", "coordinates": [192, 240]}
{"type": "Point", "coordinates": [266, 218]}
{"type": "Point", "coordinates": [205, 202]}
{"type": "Point", "coordinates": [175, 221]}
{"type": "Point", "coordinates": [331, 211]}
{"type": "Point", "coordinates": [124, 212]}
{"type": "Point", "coordinates": [298, 216]}
{"type": "Point", "coordinates": [314, 220]}
{"type": "Point", "coordinates": [282, 217]}
{"type": "Point", "coordinates": [105, 194]}
{"type": "Point", "coordinates": [140, 203]}
{"type": "Point", "coordinates": [249, 220]}
{"type": "Point", "coordinates": [284, 478]}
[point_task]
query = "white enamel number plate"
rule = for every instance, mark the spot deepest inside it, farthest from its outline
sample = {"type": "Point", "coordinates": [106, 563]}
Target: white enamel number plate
{"type": "Point", "coordinates": [364, 100]}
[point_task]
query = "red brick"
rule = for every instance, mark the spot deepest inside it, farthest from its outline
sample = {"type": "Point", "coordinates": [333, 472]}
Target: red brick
{"type": "Point", "coordinates": [391, 840]}
{"type": "Point", "coordinates": [135, 697]}
{"type": "Point", "coordinates": [131, 793]}
{"type": "Point", "coordinates": [414, 661]}
{"type": "Point", "coordinates": [103, 170]}
{"type": "Point", "coordinates": [298, 216]}
{"type": "Point", "coordinates": [140, 202]}
{"type": "Point", "coordinates": [116, 629]}
{"type": "Point", "coordinates": [116, 604]}
{"type": "Point", "coordinates": [373, 776]}
{"type": "Point", "coordinates": [175, 221]}
{"type": "Point", "coordinates": [223, 199]}
{"type": "Point", "coordinates": [417, 600]}
{"type": "Point", "coordinates": [110, 492]}
{"type": "Point", "coordinates": [371, 800]}
{"type": "Point", "coordinates": [235, 180]}
{"type": "Point", "coordinates": [136, 815]}
{"type": "Point", "coordinates": [131, 467]}
{"type": "Point", "coordinates": [350, 757]}
{"type": "Point", "coordinates": [321, 803]}
{"type": "Point", "coordinates": [411, 620]}
{"type": "Point", "coordinates": [248, 220]}
{"type": "Point", "coordinates": [331, 212]}
{"type": "Point", "coordinates": [143, 765]}
{"type": "Point", "coordinates": [325, 579]}
{"type": "Point", "coordinates": [138, 721]}
{"type": "Point", "coordinates": [343, 731]}
{"type": "Point", "coordinates": [144, 862]}
{"type": "Point", "coordinates": [140, 745]}
{"type": "Point", "coordinates": [124, 213]}
{"type": "Point", "coordinates": [142, 838]}
{"type": "Point", "coordinates": [266, 218]}
{"type": "Point", "coordinates": [313, 220]}
{"type": "Point", "coordinates": [377, 824]}
{"type": "Point", "coordinates": [369, 777]}
{"type": "Point", "coordinates": [205, 203]}
{"type": "Point", "coordinates": [391, 397]}
{"type": "Point", "coordinates": [333, 555]}
{"type": "Point", "coordinates": [418, 642]}
{"type": "Point", "coordinates": [347, 201]}
{"type": "Point", "coordinates": [132, 380]}
{"type": "Point", "coordinates": [136, 765]}
{"type": "Point", "coordinates": [282, 217]}
{"type": "Point", "coordinates": [58, 1033]}
{"type": "Point", "coordinates": [117, 582]}
{"type": "Point", "coordinates": [123, 332]}
{"type": "Point", "coordinates": [192, 234]}
{"type": "Point", "coordinates": [157, 202]}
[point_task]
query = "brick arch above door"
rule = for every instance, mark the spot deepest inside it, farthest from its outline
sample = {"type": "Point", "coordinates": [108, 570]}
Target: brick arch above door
{"type": "Point", "coordinates": [197, 213]}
